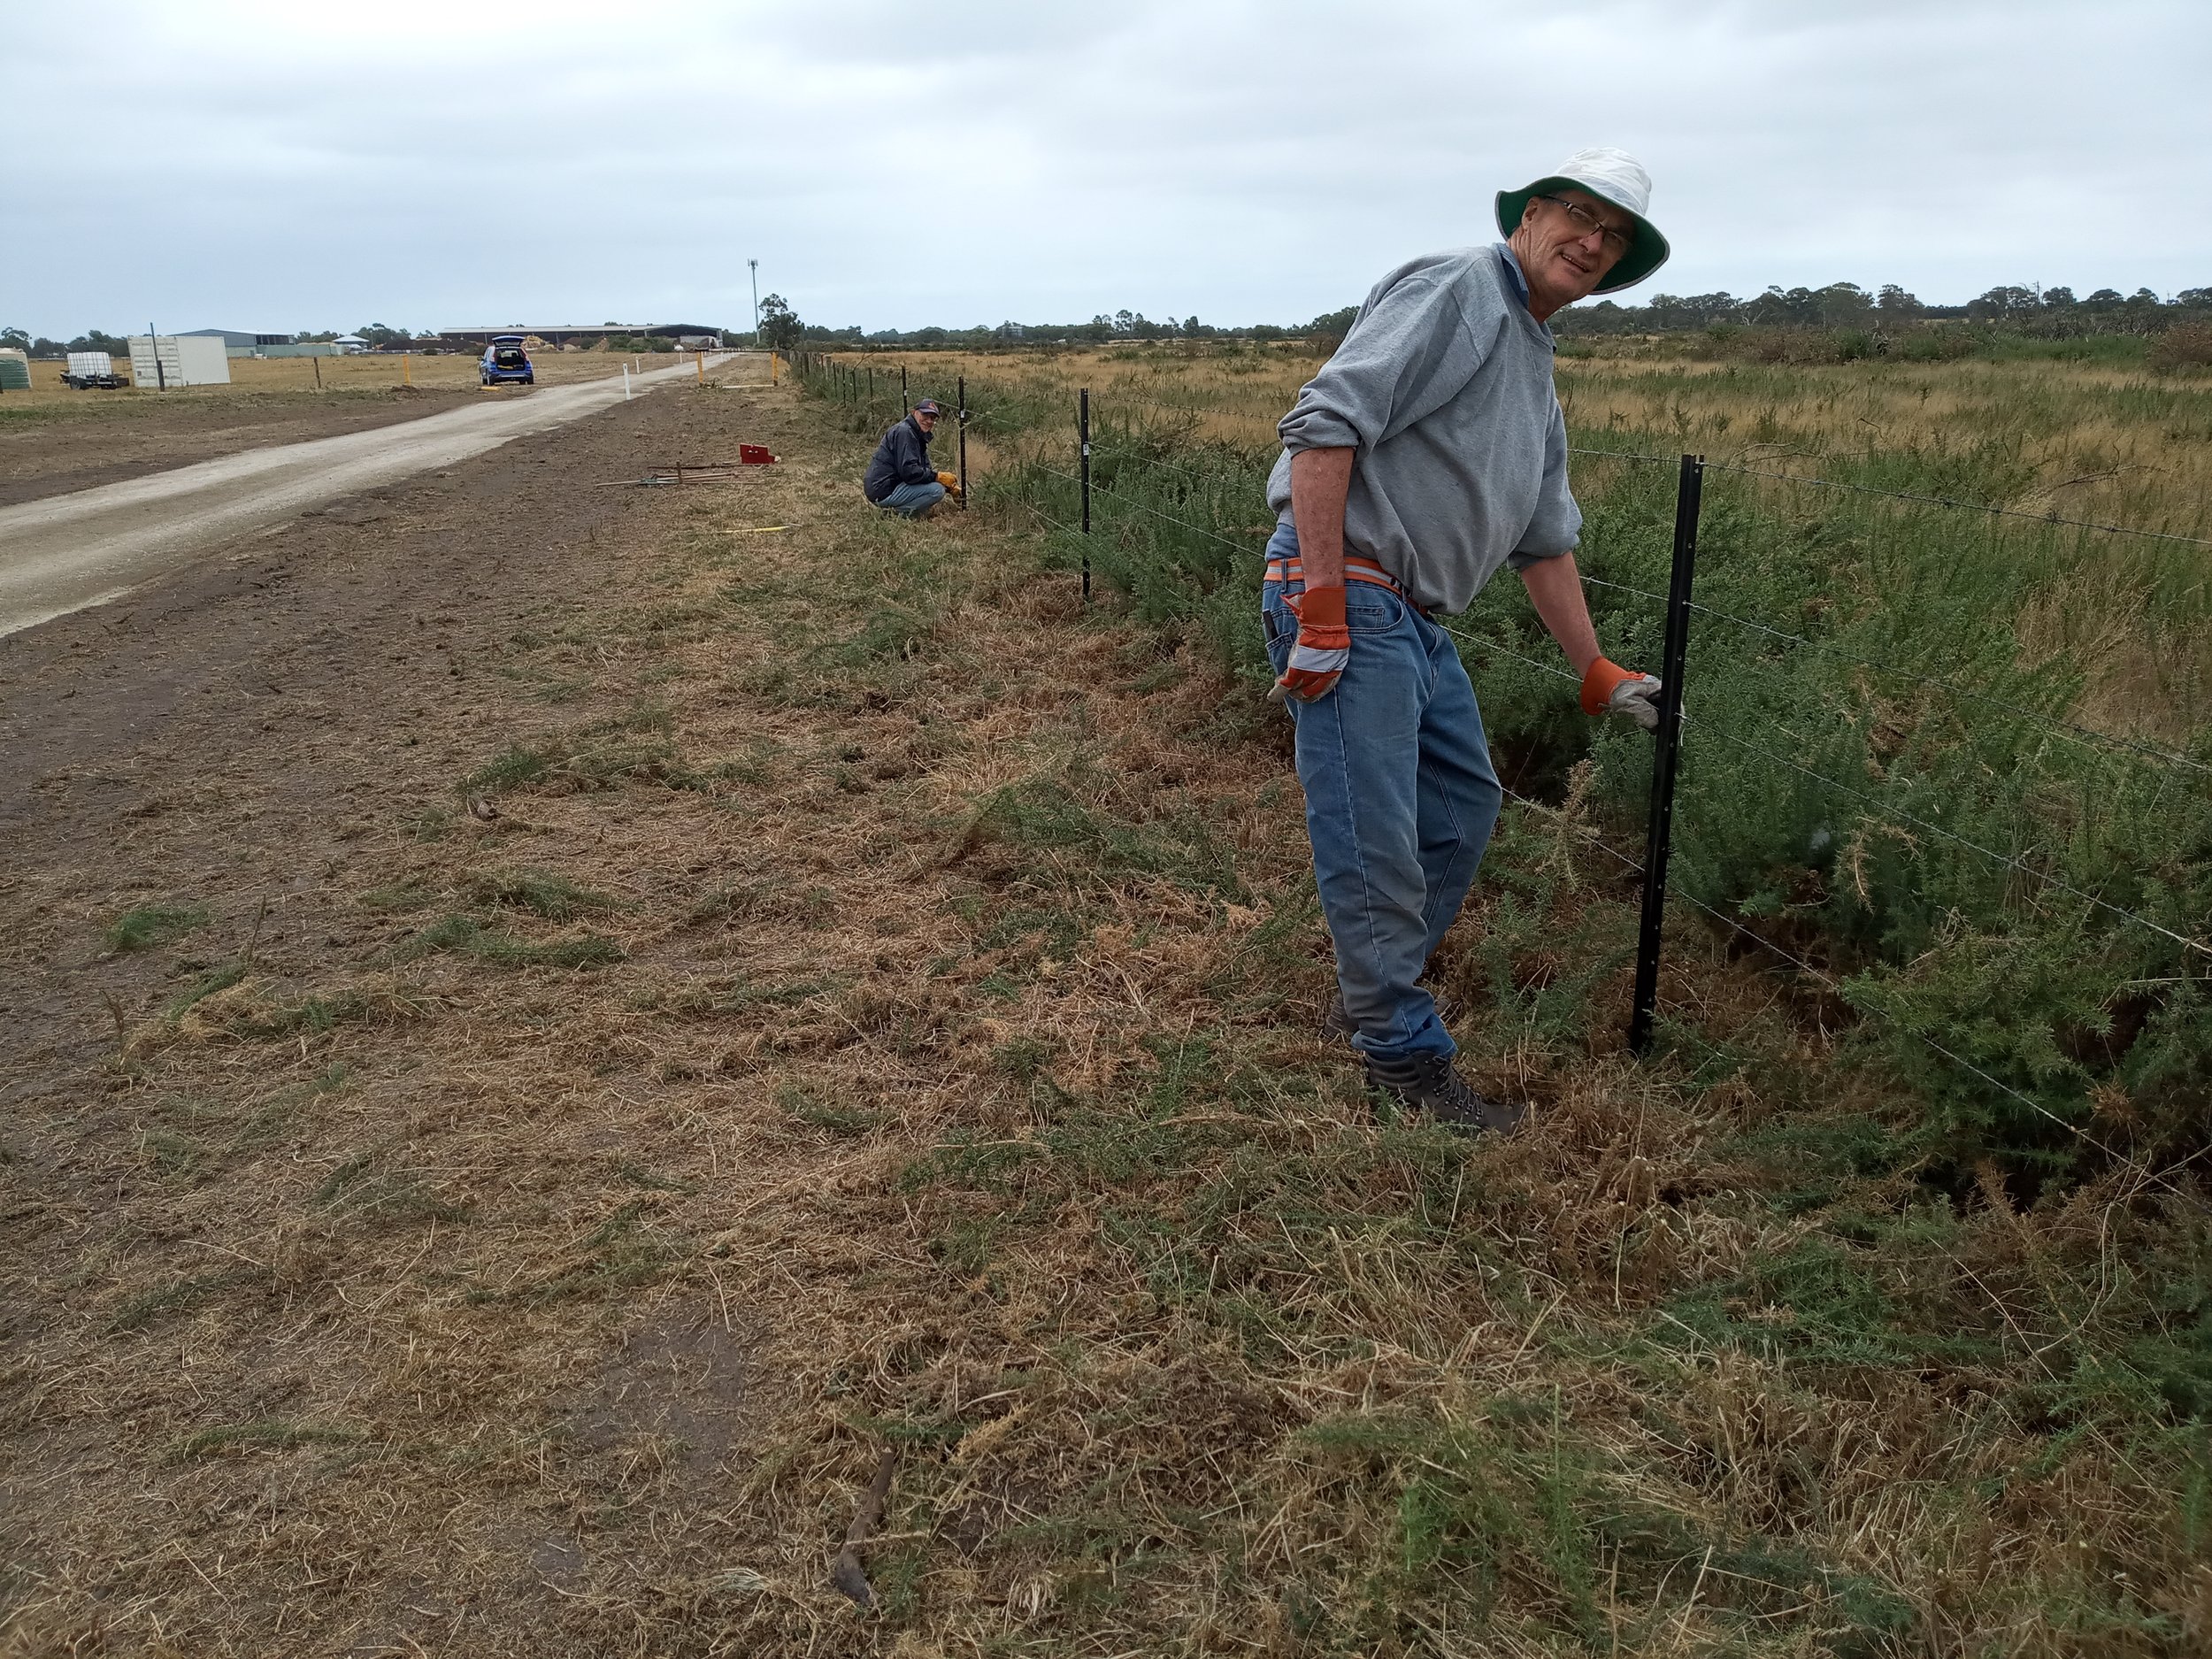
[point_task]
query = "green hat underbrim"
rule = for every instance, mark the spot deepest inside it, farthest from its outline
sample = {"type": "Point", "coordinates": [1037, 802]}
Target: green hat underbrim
{"type": "Point", "coordinates": [1645, 255]}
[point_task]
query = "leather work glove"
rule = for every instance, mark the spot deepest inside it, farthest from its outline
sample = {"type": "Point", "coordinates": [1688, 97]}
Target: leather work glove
{"type": "Point", "coordinates": [1608, 688]}
{"type": "Point", "coordinates": [1322, 647]}
{"type": "Point", "coordinates": [950, 481]}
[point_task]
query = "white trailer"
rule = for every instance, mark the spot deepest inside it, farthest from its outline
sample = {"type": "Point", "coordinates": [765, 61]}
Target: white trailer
{"type": "Point", "coordinates": [87, 370]}
{"type": "Point", "coordinates": [165, 362]}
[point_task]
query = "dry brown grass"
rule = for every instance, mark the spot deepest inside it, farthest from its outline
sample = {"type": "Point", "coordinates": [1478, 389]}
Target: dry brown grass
{"type": "Point", "coordinates": [2086, 441]}
{"type": "Point", "coordinates": [954, 1092]}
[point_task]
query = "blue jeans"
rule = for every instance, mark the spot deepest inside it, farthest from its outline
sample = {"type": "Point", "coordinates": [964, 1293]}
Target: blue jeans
{"type": "Point", "coordinates": [912, 498]}
{"type": "Point", "coordinates": [1401, 798]}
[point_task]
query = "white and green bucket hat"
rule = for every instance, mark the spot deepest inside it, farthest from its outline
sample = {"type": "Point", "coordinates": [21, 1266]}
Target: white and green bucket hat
{"type": "Point", "coordinates": [1611, 175]}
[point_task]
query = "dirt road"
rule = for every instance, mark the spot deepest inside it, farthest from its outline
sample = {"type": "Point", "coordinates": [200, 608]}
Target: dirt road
{"type": "Point", "coordinates": [66, 552]}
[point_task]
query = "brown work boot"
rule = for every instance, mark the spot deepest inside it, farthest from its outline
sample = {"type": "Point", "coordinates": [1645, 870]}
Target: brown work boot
{"type": "Point", "coordinates": [1431, 1085]}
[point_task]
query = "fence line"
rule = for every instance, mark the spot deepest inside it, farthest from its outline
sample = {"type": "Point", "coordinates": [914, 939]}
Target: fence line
{"type": "Point", "coordinates": [1147, 460]}
{"type": "Point", "coordinates": [2030, 1101]}
{"type": "Point", "coordinates": [1685, 605]}
{"type": "Point", "coordinates": [2086, 735]}
{"type": "Point", "coordinates": [1956, 504]}
{"type": "Point", "coordinates": [1836, 987]}
{"type": "Point", "coordinates": [1465, 638]}
{"type": "Point", "coordinates": [1068, 528]}
{"type": "Point", "coordinates": [1963, 506]}
{"type": "Point", "coordinates": [1126, 501]}
{"type": "Point", "coordinates": [1625, 455]}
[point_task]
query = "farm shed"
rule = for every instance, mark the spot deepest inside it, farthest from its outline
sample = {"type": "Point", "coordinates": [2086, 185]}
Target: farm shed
{"type": "Point", "coordinates": [183, 360]}
{"type": "Point", "coordinates": [238, 342]}
{"type": "Point", "coordinates": [583, 335]}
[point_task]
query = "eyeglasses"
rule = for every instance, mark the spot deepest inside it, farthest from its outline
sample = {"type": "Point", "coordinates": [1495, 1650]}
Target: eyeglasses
{"type": "Point", "coordinates": [1586, 223]}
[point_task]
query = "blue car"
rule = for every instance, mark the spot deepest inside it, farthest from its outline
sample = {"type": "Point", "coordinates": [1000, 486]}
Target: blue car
{"type": "Point", "coordinates": [504, 360]}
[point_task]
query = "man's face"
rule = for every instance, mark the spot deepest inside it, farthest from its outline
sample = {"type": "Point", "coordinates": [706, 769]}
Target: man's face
{"type": "Point", "coordinates": [1563, 258]}
{"type": "Point", "coordinates": [926, 421]}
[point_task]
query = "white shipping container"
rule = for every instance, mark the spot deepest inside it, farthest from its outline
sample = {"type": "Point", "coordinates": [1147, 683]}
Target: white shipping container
{"type": "Point", "coordinates": [184, 360]}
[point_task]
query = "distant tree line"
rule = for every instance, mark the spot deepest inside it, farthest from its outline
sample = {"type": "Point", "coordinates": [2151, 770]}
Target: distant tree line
{"type": "Point", "coordinates": [781, 325]}
{"type": "Point", "coordinates": [1863, 323]}
{"type": "Point", "coordinates": [17, 340]}
{"type": "Point", "coordinates": [2048, 314]}
{"type": "Point", "coordinates": [1855, 321]}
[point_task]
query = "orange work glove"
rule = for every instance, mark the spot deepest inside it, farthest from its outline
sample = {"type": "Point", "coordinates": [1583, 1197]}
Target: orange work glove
{"type": "Point", "coordinates": [1608, 688]}
{"type": "Point", "coordinates": [1322, 647]}
{"type": "Point", "coordinates": [950, 481]}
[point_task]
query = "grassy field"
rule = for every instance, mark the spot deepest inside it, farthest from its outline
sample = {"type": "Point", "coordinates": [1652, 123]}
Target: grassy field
{"type": "Point", "coordinates": [824, 992]}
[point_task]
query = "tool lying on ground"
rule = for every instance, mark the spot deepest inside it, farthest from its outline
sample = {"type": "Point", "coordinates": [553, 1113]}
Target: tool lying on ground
{"type": "Point", "coordinates": [708, 472]}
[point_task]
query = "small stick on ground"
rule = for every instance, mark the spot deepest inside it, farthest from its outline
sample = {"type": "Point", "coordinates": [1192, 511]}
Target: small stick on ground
{"type": "Point", "coordinates": [254, 943]}
{"type": "Point", "coordinates": [122, 1027]}
{"type": "Point", "coordinates": [847, 1575]}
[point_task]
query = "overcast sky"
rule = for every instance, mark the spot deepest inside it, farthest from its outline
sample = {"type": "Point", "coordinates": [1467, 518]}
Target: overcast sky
{"type": "Point", "coordinates": [270, 164]}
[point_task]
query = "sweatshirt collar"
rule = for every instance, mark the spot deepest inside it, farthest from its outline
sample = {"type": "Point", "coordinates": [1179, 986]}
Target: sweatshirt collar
{"type": "Point", "coordinates": [1513, 270]}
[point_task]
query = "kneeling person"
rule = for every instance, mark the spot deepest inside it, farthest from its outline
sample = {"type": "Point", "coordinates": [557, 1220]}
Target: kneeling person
{"type": "Point", "coordinates": [900, 479]}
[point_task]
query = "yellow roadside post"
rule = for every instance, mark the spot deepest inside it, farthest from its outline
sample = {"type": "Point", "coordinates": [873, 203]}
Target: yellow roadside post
{"type": "Point", "coordinates": [703, 368]}
{"type": "Point", "coordinates": [406, 368]}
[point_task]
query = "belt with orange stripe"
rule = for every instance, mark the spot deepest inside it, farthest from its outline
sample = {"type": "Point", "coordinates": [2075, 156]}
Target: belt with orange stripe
{"type": "Point", "coordinates": [1355, 569]}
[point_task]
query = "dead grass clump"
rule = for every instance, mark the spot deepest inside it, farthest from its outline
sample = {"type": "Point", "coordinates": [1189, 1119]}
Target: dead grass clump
{"type": "Point", "coordinates": [466, 935]}
{"type": "Point", "coordinates": [553, 897]}
{"type": "Point", "coordinates": [558, 766]}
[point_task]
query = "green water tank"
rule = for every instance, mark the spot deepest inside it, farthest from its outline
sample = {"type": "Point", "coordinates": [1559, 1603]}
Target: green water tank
{"type": "Point", "coordinates": [15, 372]}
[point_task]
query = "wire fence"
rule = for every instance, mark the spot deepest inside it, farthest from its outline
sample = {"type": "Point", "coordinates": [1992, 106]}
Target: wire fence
{"type": "Point", "coordinates": [2095, 857]}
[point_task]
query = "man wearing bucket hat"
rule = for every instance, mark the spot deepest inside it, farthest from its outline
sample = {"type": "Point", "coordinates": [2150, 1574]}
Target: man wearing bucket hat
{"type": "Point", "coordinates": [900, 478]}
{"type": "Point", "coordinates": [1429, 452]}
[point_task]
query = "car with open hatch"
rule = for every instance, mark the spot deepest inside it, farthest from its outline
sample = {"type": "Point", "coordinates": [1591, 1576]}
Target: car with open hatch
{"type": "Point", "coordinates": [507, 360]}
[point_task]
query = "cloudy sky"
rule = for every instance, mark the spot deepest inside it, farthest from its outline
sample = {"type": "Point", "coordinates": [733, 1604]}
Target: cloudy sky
{"type": "Point", "coordinates": [269, 164]}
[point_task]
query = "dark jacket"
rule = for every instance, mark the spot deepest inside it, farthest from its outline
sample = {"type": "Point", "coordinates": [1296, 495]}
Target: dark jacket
{"type": "Point", "coordinates": [902, 457]}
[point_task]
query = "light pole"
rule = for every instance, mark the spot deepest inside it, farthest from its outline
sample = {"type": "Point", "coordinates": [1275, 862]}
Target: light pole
{"type": "Point", "coordinates": [754, 265]}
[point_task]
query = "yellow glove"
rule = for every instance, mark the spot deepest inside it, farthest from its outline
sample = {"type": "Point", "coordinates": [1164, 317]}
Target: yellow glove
{"type": "Point", "coordinates": [951, 481]}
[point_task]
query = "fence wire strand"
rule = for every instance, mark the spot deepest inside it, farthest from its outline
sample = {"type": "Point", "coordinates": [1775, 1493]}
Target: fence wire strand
{"type": "Point", "coordinates": [1466, 637]}
{"type": "Point", "coordinates": [2086, 735]}
{"type": "Point", "coordinates": [1129, 501]}
{"type": "Point", "coordinates": [1898, 814]}
{"type": "Point", "coordinates": [1627, 455]}
{"type": "Point", "coordinates": [1836, 987]}
{"type": "Point", "coordinates": [1957, 506]}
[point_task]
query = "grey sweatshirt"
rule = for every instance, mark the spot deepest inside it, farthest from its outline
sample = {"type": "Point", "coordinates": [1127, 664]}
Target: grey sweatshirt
{"type": "Point", "coordinates": [1444, 386]}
